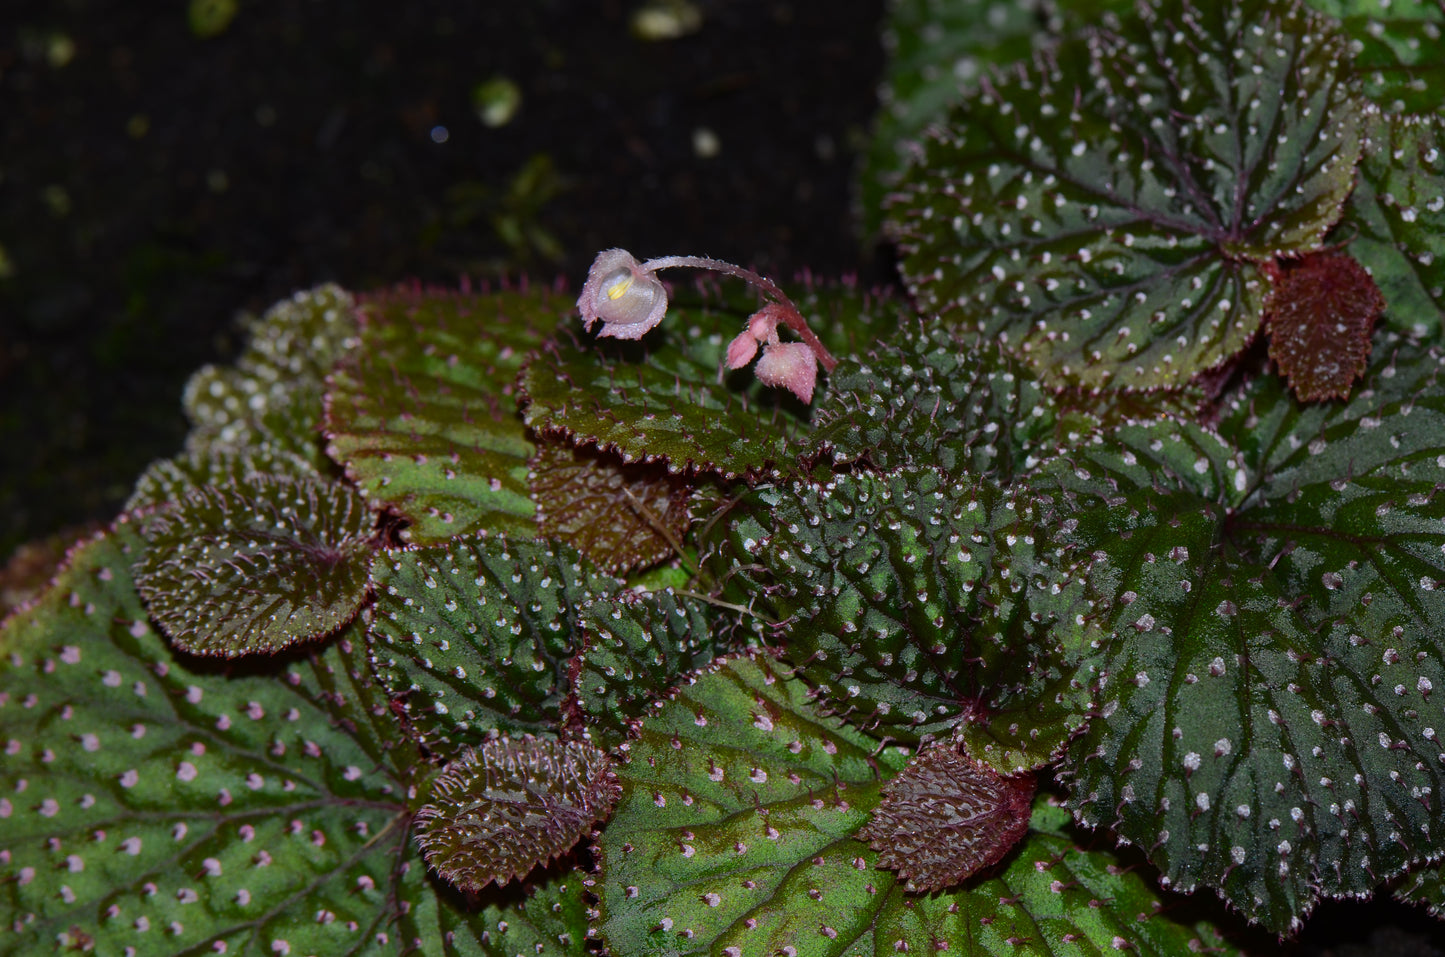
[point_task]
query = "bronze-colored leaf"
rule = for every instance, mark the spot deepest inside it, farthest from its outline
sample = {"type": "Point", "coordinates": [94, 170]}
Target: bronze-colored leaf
{"type": "Point", "coordinates": [945, 817]}
{"type": "Point", "coordinates": [1319, 318]}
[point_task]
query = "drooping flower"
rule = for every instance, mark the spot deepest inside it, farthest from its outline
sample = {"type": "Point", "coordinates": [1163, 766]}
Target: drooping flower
{"type": "Point", "coordinates": [627, 297]}
{"type": "Point", "coordinates": [791, 365]}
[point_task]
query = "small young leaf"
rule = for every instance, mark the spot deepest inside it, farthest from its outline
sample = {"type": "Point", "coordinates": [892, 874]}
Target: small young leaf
{"type": "Point", "coordinates": [511, 805]}
{"type": "Point", "coordinates": [153, 805]}
{"type": "Point", "coordinates": [475, 636]}
{"type": "Point", "coordinates": [1319, 316]}
{"type": "Point", "coordinates": [422, 414]}
{"type": "Point", "coordinates": [945, 817]}
{"type": "Point", "coordinates": [735, 836]}
{"type": "Point", "coordinates": [636, 647]}
{"type": "Point", "coordinates": [272, 396]}
{"type": "Point", "coordinates": [1103, 213]}
{"type": "Point", "coordinates": [619, 516]}
{"type": "Point", "coordinates": [257, 564]}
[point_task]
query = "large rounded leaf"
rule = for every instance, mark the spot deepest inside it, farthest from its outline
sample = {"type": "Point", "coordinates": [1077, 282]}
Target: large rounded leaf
{"type": "Point", "coordinates": [422, 414]}
{"type": "Point", "coordinates": [1273, 605]}
{"type": "Point", "coordinates": [1105, 210]}
{"type": "Point", "coordinates": [735, 836]}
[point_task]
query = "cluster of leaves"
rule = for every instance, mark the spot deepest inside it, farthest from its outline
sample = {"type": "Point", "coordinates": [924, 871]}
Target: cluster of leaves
{"type": "Point", "coordinates": [456, 631]}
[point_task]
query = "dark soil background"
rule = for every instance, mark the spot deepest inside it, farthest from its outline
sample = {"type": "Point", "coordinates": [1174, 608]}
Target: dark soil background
{"type": "Point", "coordinates": [154, 184]}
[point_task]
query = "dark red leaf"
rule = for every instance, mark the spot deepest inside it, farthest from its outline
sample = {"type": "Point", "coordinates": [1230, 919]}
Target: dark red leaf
{"type": "Point", "coordinates": [1319, 319]}
{"type": "Point", "coordinates": [946, 817]}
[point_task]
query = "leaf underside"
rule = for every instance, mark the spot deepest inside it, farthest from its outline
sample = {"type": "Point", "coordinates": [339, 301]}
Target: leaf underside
{"type": "Point", "coordinates": [475, 636]}
{"type": "Point", "coordinates": [423, 416]}
{"type": "Point", "coordinates": [514, 803]}
{"type": "Point", "coordinates": [1103, 212]}
{"type": "Point", "coordinates": [620, 517]}
{"type": "Point", "coordinates": [1270, 606]}
{"type": "Point", "coordinates": [734, 836]}
{"type": "Point", "coordinates": [256, 565]}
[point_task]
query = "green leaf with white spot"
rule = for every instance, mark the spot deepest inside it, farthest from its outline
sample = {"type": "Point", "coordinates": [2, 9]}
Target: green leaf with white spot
{"type": "Point", "coordinates": [1105, 211]}
{"type": "Point", "coordinates": [272, 395]}
{"type": "Point", "coordinates": [257, 564]}
{"type": "Point", "coordinates": [735, 836]}
{"type": "Point", "coordinates": [636, 647]}
{"type": "Point", "coordinates": [152, 802]}
{"type": "Point", "coordinates": [1398, 50]}
{"type": "Point", "coordinates": [423, 413]}
{"type": "Point", "coordinates": [935, 49]}
{"type": "Point", "coordinates": [499, 811]}
{"type": "Point", "coordinates": [475, 636]}
{"type": "Point", "coordinates": [898, 594]}
{"type": "Point", "coordinates": [927, 396]}
{"type": "Point", "coordinates": [1271, 601]}
{"type": "Point", "coordinates": [660, 399]}
{"type": "Point", "coordinates": [545, 916]}
{"type": "Point", "coordinates": [1395, 220]}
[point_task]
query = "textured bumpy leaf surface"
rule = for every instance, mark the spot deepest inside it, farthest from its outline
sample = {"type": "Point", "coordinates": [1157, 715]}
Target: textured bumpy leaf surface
{"type": "Point", "coordinates": [880, 581]}
{"type": "Point", "coordinates": [423, 415]}
{"type": "Point", "coordinates": [272, 396]}
{"type": "Point", "coordinates": [514, 803]}
{"type": "Point", "coordinates": [928, 396]}
{"type": "Point", "coordinates": [1103, 210]}
{"type": "Point", "coordinates": [734, 837]}
{"type": "Point", "coordinates": [475, 636]}
{"type": "Point", "coordinates": [257, 565]}
{"type": "Point", "coordinates": [620, 516]}
{"type": "Point", "coordinates": [1399, 54]}
{"type": "Point", "coordinates": [945, 817]}
{"type": "Point", "coordinates": [636, 647]}
{"type": "Point", "coordinates": [1321, 312]}
{"type": "Point", "coordinates": [171, 480]}
{"type": "Point", "coordinates": [1272, 604]}
{"type": "Point", "coordinates": [152, 807]}
{"type": "Point", "coordinates": [1395, 220]}
{"type": "Point", "coordinates": [660, 399]}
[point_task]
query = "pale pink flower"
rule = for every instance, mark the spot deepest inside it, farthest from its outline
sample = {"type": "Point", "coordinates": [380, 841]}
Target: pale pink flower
{"type": "Point", "coordinates": [791, 365]}
{"type": "Point", "coordinates": [628, 298]}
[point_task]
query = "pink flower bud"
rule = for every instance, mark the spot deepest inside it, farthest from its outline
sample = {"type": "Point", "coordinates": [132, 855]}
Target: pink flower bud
{"type": "Point", "coordinates": [741, 350]}
{"type": "Point", "coordinates": [791, 365]}
{"type": "Point", "coordinates": [627, 298]}
{"type": "Point", "coordinates": [763, 324]}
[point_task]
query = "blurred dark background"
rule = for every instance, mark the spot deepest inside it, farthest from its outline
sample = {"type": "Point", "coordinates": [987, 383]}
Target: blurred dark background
{"type": "Point", "coordinates": [164, 166]}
